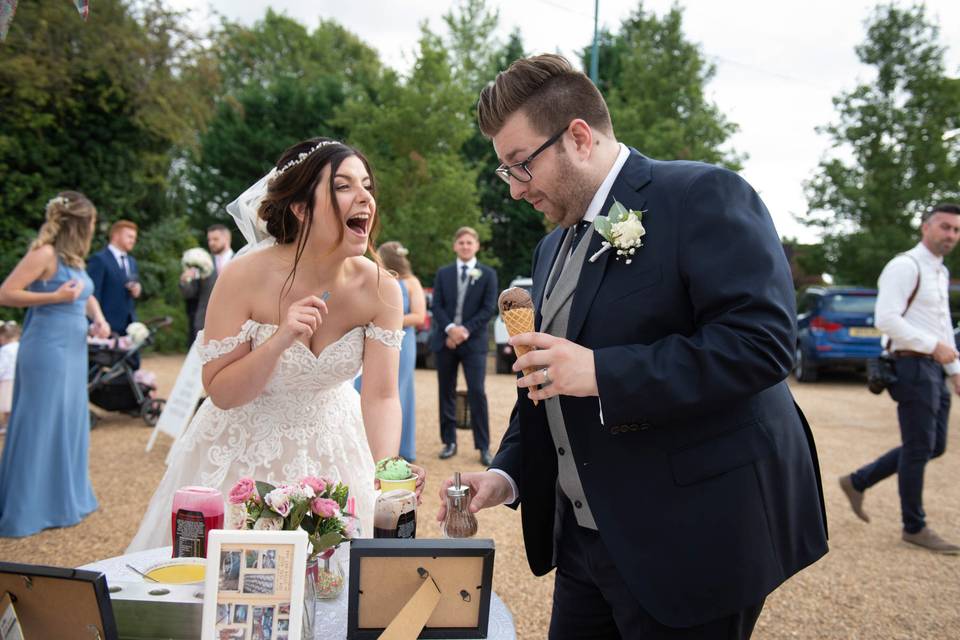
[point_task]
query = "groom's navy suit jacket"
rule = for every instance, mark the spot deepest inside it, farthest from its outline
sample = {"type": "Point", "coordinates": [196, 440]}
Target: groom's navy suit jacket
{"type": "Point", "coordinates": [702, 474]}
{"type": "Point", "coordinates": [109, 283]}
{"type": "Point", "coordinates": [479, 305]}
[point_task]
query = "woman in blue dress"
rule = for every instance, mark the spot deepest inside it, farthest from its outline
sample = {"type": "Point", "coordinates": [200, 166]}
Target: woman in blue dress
{"type": "Point", "coordinates": [393, 255]}
{"type": "Point", "coordinates": [44, 475]}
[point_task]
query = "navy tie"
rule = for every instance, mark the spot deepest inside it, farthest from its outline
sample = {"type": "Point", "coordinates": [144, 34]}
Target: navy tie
{"type": "Point", "coordinates": [463, 273]}
{"type": "Point", "coordinates": [578, 233]}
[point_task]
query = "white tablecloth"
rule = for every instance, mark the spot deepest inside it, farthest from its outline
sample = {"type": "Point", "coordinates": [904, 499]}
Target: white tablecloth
{"type": "Point", "coordinates": [331, 620]}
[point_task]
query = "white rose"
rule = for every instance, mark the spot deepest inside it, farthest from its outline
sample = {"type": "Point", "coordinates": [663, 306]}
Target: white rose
{"type": "Point", "coordinates": [627, 233]}
{"type": "Point", "coordinates": [137, 332]}
{"type": "Point", "coordinates": [268, 523]}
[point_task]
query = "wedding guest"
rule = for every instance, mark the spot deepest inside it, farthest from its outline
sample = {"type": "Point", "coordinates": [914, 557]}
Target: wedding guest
{"type": "Point", "coordinates": [195, 287]}
{"type": "Point", "coordinates": [44, 480]}
{"type": "Point", "coordinates": [9, 344]}
{"type": "Point", "coordinates": [464, 299]}
{"type": "Point", "coordinates": [116, 279]}
{"type": "Point", "coordinates": [394, 258]}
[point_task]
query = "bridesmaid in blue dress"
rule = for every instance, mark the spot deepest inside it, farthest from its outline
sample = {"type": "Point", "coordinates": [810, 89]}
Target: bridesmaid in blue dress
{"type": "Point", "coordinates": [44, 476]}
{"type": "Point", "coordinates": [393, 255]}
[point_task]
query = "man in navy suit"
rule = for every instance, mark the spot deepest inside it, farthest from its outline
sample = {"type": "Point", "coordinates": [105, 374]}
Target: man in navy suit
{"type": "Point", "coordinates": [464, 300]}
{"type": "Point", "coordinates": [116, 278]}
{"type": "Point", "coordinates": [666, 471]}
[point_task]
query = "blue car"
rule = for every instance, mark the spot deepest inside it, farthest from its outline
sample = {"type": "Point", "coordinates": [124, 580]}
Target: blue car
{"type": "Point", "coordinates": [835, 330]}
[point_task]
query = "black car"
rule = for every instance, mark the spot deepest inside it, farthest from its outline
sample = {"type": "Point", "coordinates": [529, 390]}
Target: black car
{"type": "Point", "coordinates": [425, 358]}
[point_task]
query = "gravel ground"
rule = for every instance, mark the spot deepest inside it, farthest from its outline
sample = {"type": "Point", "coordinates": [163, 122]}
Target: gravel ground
{"type": "Point", "coordinates": [870, 585]}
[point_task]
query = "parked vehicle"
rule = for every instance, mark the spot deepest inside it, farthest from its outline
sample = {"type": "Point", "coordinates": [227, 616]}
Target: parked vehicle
{"type": "Point", "coordinates": [425, 359]}
{"type": "Point", "coordinates": [505, 357]}
{"type": "Point", "coordinates": [835, 330]}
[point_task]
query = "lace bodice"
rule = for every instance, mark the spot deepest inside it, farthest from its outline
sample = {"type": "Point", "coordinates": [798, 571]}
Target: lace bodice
{"type": "Point", "coordinates": [299, 370]}
{"type": "Point", "coordinates": [306, 421]}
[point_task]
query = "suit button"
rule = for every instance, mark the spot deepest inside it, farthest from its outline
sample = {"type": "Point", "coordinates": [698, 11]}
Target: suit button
{"type": "Point", "coordinates": [577, 504]}
{"type": "Point", "coordinates": [561, 451]}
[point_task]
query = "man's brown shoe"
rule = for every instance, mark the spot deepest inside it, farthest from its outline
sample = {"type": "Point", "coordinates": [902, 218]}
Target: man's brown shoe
{"type": "Point", "coordinates": [928, 539]}
{"type": "Point", "coordinates": [855, 497]}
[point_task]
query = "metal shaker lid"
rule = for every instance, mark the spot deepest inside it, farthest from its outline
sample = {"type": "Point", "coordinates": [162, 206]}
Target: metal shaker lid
{"type": "Point", "coordinates": [457, 490]}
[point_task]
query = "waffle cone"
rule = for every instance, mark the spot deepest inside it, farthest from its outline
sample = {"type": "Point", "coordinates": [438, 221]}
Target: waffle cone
{"type": "Point", "coordinates": [519, 320]}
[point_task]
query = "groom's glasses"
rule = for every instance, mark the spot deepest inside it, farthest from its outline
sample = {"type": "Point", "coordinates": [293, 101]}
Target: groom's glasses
{"type": "Point", "coordinates": [520, 171]}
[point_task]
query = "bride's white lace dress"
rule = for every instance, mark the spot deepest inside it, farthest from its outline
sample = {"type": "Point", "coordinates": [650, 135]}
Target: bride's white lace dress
{"type": "Point", "coordinates": [306, 421]}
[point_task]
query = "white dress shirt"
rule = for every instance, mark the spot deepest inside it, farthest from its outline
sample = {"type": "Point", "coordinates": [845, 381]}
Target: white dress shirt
{"type": "Point", "coordinates": [593, 210]}
{"type": "Point", "coordinates": [927, 321]}
{"type": "Point", "coordinates": [118, 254]}
{"type": "Point", "coordinates": [221, 259]}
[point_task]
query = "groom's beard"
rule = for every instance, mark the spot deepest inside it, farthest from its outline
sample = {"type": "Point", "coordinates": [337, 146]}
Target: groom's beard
{"type": "Point", "coordinates": [571, 195]}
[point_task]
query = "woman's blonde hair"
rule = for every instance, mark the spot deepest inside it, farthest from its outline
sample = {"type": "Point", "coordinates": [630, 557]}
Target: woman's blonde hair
{"type": "Point", "coordinates": [394, 258]}
{"type": "Point", "coordinates": [68, 227]}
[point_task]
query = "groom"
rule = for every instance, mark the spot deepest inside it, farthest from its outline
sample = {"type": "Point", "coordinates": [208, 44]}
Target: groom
{"type": "Point", "coordinates": [666, 471]}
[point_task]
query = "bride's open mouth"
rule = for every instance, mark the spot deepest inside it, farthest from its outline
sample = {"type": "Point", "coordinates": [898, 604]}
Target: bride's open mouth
{"type": "Point", "coordinates": [359, 223]}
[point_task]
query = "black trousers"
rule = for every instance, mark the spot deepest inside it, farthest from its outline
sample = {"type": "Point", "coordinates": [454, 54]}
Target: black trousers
{"type": "Point", "coordinates": [475, 371]}
{"type": "Point", "coordinates": [592, 602]}
{"type": "Point", "coordinates": [923, 406]}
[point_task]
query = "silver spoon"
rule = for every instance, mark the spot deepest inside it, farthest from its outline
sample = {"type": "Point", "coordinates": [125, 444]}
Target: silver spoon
{"type": "Point", "coordinates": [141, 573]}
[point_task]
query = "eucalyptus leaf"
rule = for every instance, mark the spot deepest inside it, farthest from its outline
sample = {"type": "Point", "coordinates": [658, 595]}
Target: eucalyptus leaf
{"type": "Point", "coordinates": [263, 488]}
{"type": "Point", "coordinates": [603, 226]}
{"type": "Point", "coordinates": [617, 213]}
{"type": "Point", "coordinates": [327, 540]}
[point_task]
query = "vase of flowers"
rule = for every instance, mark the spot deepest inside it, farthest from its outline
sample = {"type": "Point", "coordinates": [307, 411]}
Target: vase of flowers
{"type": "Point", "coordinates": [317, 505]}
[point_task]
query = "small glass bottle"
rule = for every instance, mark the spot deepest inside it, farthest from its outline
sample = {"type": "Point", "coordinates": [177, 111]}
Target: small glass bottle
{"type": "Point", "coordinates": [459, 522]}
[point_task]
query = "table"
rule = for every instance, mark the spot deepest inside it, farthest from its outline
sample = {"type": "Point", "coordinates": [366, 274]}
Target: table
{"type": "Point", "coordinates": [331, 619]}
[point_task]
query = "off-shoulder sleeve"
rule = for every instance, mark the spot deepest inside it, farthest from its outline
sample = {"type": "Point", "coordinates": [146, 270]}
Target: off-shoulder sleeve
{"type": "Point", "coordinates": [385, 336]}
{"type": "Point", "coordinates": [218, 348]}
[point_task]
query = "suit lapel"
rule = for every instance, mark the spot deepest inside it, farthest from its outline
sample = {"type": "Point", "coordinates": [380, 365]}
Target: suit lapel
{"type": "Point", "coordinates": [548, 256]}
{"type": "Point", "coordinates": [634, 175]}
{"type": "Point", "coordinates": [111, 260]}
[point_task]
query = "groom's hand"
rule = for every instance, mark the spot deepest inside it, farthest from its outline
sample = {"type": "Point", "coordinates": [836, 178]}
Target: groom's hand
{"type": "Point", "coordinates": [487, 489]}
{"type": "Point", "coordinates": [561, 367]}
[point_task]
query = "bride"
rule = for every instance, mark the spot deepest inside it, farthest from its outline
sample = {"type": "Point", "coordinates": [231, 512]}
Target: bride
{"type": "Point", "coordinates": [288, 327]}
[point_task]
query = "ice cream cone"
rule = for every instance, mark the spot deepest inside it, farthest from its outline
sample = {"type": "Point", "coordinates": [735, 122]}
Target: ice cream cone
{"type": "Point", "coordinates": [516, 310]}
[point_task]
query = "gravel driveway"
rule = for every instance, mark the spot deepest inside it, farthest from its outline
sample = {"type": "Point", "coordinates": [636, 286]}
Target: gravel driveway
{"type": "Point", "coordinates": [870, 585]}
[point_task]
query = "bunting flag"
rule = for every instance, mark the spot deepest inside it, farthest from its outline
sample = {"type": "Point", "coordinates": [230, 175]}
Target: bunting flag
{"type": "Point", "coordinates": [83, 6]}
{"type": "Point", "coordinates": [7, 9]}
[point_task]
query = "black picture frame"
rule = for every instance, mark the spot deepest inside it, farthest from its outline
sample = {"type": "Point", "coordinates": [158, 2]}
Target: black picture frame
{"type": "Point", "coordinates": [362, 549]}
{"type": "Point", "coordinates": [31, 587]}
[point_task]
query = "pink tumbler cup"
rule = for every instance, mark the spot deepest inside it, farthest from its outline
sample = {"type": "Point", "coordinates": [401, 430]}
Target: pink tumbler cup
{"type": "Point", "coordinates": [196, 510]}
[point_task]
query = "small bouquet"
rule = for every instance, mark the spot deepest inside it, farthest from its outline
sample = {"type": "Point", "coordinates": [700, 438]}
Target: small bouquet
{"type": "Point", "coordinates": [137, 332]}
{"type": "Point", "coordinates": [314, 504]}
{"type": "Point", "coordinates": [199, 259]}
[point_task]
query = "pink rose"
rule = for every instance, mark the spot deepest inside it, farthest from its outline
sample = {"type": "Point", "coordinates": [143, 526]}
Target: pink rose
{"type": "Point", "coordinates": [279, 501]}
{"type": "Point", "coordinates": [242, 491]}
{"type": "Point", "coordinates": [315, 483]}
{"type": "Point", "coordinates": [268, 523]}
{"type": "Point", "coordinates": [325, 507]}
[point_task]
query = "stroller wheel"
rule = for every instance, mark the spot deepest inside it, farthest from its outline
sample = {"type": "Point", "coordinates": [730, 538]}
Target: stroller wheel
{"type": "Point", "coordinates": [94, 420]}
{"type": "Point", "coordinates": [151, 409]}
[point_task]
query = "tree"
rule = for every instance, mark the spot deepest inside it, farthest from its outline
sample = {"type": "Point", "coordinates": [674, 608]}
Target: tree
{"type": "Point", "coordinates": [414, 139]}
{"type": "Point", "coordinates": [279, 84]}
{"type": "Point", "coordinates": [888, 162]}
{"type": "Point", "coordinates": [100, 107]}
{"type": "Point", "coordinates": [653, 80]}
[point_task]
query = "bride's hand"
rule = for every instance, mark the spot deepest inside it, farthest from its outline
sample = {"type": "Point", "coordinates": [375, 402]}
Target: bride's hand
{"type": "Point", "coordinates": [303, 319]}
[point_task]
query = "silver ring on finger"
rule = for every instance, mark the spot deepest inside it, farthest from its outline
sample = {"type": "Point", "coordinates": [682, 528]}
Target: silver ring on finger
{"type": "Point", "coordinates": [546, 376]}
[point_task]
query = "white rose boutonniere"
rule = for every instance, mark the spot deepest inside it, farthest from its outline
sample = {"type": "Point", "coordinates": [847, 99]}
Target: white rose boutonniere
{"type": "Point", "coordinates": [474, 274]}
{"type": "Point", "coordinates": [622, 230]}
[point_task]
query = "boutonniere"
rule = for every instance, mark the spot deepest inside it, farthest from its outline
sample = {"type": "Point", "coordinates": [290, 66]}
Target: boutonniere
{"type": "Point", "coordinates": [622, 230]}
{"type": "Point", "coordinates": [474, 274]}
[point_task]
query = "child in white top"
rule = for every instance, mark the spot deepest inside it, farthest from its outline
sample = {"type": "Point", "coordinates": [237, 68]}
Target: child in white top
{"type": "Point", "coordinates": [10, 341]}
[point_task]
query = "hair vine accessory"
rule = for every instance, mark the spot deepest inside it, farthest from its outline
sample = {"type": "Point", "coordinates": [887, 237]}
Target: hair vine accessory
{"type": "Point", "coordinates": [306, 154]}
{"type": "Point", "coordinates": [58, 200]}
{"type": "Point", "coordinates": [402, 251]}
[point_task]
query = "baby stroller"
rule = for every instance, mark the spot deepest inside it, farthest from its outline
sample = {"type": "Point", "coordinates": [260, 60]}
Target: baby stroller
{"type": "Point", "coordinates": [112, 383]}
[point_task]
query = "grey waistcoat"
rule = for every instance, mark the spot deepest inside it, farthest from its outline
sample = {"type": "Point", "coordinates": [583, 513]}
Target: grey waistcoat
{"type": "Point", "coordinates": [555, 312]}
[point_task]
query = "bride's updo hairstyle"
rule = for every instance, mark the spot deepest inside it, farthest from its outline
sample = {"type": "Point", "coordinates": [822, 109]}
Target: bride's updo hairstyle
{"type": "Point", "coordinates": [68, 227]}
{"type": "Point", "coordinates": [295, 182]}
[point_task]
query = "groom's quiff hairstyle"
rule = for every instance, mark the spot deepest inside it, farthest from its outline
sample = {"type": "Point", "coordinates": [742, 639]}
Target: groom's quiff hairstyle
{"type": "Point", "coordinates": [548, 90]}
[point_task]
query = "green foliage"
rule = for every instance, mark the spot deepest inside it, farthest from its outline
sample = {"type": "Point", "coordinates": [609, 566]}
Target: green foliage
{"type": "Point", "coordinates": [653, 80]}
{"type": "Point", "coordinates": [890, 163]}
{"type": "Point", "coordinates": [414, 139]}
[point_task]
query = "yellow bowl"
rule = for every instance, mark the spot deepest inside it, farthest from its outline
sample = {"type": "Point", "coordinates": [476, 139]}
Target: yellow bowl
{"type": "Point", "coordinates": [409, 484]}
{"type": "Point", "coordinates": [179, 571]}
